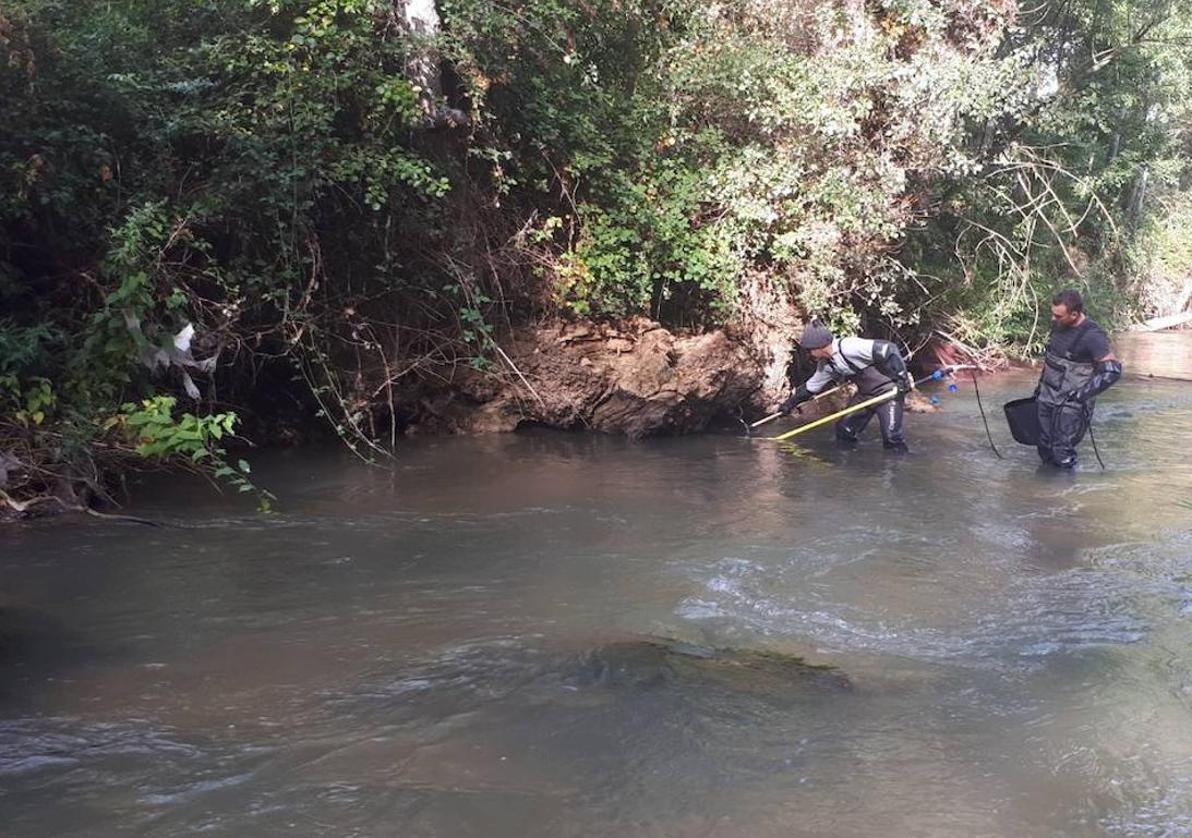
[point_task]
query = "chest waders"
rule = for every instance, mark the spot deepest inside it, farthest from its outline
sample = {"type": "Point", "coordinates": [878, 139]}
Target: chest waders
{"type": "Point", "coordinates": [871, 382]}
{"type": "Point", "coordinates": [1063, 421]}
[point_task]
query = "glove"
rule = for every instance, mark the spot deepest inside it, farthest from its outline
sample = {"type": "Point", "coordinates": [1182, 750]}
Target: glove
{"type": "Point", "coordinates": [795, 399]}
{"type": "Point", "coordinates": [1107, 372]}
{"type": "Point", "coordinates": [904, 383]}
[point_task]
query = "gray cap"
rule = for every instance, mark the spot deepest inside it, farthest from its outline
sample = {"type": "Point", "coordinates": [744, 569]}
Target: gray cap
{"type": "Point", "coordinates": [815, 335]}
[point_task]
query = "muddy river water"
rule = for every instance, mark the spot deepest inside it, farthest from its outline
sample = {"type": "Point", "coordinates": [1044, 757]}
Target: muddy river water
{"type": "Point", "coordinates": [547, 634]}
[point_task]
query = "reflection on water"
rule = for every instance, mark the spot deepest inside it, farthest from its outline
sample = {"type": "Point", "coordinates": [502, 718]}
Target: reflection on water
{"type": "Point", "coordinates": [466, 643]}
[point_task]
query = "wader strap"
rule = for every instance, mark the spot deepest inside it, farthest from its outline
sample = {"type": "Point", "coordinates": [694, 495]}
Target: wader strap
{"type": "Point", "coordinates": [856, 370]}
{"type": "Point", "coordinates": [1084, 330]}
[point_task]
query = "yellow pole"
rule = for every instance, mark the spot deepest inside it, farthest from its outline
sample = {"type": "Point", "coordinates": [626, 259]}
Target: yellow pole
{"type": "Point", "coordinates": [837, 415]}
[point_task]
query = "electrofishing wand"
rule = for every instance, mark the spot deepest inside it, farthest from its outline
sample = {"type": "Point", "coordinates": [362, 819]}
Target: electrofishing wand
{"type": "Point", "coordinates": [776, 414]}
{"type": "Point", "coordinates": [868, 403]}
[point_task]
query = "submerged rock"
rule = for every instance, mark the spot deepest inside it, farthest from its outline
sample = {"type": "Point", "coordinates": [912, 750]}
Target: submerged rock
{"type": "Point", "coordinates": [657, 661]}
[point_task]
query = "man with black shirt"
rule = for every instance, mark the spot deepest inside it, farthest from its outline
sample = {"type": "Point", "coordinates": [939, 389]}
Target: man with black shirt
{"type": "Point", "coordinates": [1078, 366]}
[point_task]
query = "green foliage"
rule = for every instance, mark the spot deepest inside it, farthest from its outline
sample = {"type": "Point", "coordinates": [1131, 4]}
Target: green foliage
{"type": "Point", "coordinates": [209, 165]}
{"type": "Point", "coordinates": [158, 435]}
{"type": "Point", "coordinates": [636, 254]}
{"type": "Point", "coordinates": [113, 342]}
{"type": "Point", "coordinates": [1158, 264]}
{"type": "Point", "coordinates": [690, 147]}
{"type": "Point", "coordinates": [23, 348]}
{"type": "Point", "coordinates": [28, 401]}
{"type": "Point", "coordinates": [1079, 184]}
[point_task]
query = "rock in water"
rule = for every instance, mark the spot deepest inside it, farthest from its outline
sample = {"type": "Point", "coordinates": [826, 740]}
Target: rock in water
{"type": "Point", "coordinates": [648, 662]}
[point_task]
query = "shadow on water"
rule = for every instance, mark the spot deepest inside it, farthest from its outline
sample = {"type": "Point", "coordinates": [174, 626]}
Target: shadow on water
{"type": "Point", "coordinates": [35, 647]}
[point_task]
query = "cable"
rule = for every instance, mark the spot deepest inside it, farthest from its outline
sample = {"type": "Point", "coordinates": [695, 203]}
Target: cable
{"type": "Point", "coordinates": [981, 407]}
{"type": "Point", "coordinates": [1057, 415]}
{"type": "Point", "coordinates": [1093, 440]}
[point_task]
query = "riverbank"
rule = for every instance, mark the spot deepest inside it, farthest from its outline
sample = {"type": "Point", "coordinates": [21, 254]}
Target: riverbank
{"type": "Point", "coordinates": [632, 377]}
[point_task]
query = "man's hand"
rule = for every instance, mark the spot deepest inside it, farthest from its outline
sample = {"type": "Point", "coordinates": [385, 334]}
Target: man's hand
{"type": "Point", "coordinates": [795, 399]}
{"type": "Point", "coordinates": [904, 383]}
{"type": "Point", "coordinates": [1106, 373]}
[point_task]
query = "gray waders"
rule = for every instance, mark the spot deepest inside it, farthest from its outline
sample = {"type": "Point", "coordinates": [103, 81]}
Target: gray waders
{"type": "Point", "coordinates": [873, 382]}
{"type": "Point", "coordinates": [1063, 420]}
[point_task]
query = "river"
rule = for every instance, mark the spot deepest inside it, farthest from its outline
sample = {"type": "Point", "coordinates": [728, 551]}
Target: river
{"type": "Point", "coordinates": [525, 635]}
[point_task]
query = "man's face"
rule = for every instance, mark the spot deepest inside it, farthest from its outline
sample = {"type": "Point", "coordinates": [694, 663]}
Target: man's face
{"type": "Point", "coordinates": [1060, 316]}
{"type": "Point", "coordinates": [821, 353]}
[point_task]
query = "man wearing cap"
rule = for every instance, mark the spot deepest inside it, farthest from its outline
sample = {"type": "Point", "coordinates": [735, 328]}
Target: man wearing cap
{"type": "Point", "coordinates": [874, 365]}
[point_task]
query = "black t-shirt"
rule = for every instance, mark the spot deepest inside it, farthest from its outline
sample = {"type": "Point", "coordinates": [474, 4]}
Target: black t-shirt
{"type": "Point", "coordinates": [1085, 344]}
